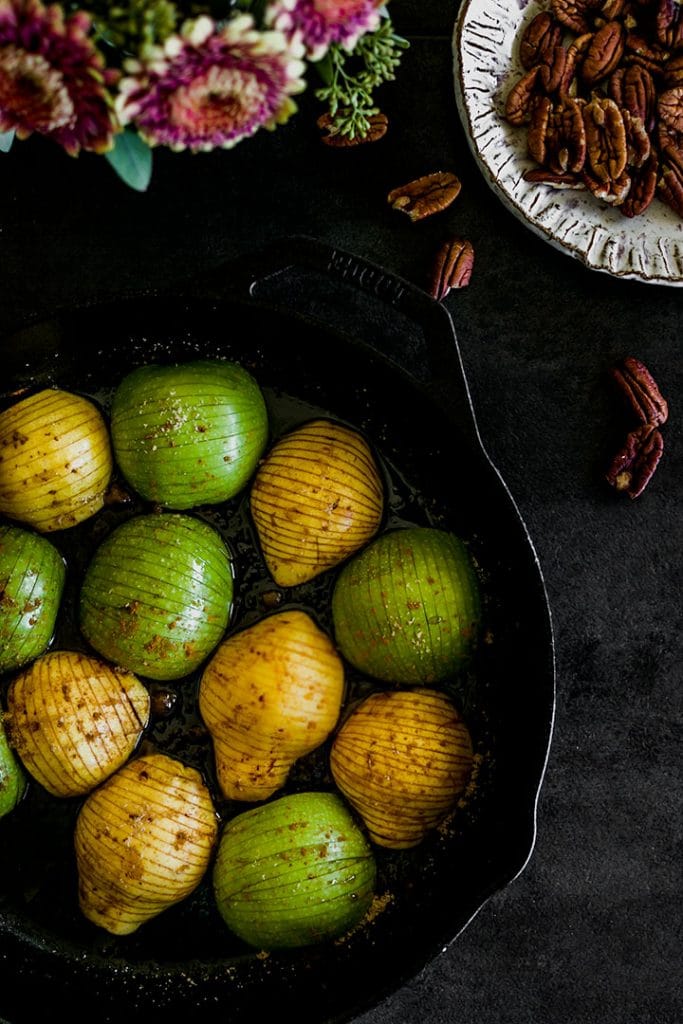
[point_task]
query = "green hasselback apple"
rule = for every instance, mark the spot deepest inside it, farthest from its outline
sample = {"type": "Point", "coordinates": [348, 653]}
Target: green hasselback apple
{"type": "Point", "coordinates": [157, 595]}
{"type": "Point", "coordinates": [12, 776]}
{"type": "Point", "coordinates": [188, 434]}
{"type": "Point", "coordinates": [294, 872]}
{"type": "Point", "coordinates": [407, 608]}
{"type": "Point", "coordinates": [32, 574]}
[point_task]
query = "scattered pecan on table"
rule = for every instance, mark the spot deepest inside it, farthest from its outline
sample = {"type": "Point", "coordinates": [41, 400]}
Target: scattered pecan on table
{"type": "Point", "coordinates": [601, 97]}
{"type": "Point", "coordinates": [632, 467]}
{"type": "Point", "coordinates": [452, 267]}
{"type": "Point", "coordinates": [426, 195]}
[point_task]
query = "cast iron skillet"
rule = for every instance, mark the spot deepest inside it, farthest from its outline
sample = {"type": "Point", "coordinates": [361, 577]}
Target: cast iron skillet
{"type": "Point", "coordinates": [323, 332]}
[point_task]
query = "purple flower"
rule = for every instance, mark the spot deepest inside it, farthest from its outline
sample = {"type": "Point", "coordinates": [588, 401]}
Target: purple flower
{"type": "Point", "coordinates": [319, 23]}
{"type": "Point", "coordinates": [211, 86]}
{"type": "Point", "coordinates": [52, 78]}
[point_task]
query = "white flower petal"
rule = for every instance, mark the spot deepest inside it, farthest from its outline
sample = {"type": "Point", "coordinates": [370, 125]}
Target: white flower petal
{"type": "Point", "coordinates": [198, 31]}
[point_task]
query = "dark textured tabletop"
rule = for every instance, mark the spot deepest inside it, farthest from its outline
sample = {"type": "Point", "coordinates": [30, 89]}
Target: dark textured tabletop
{"type": "Point", "coordinates": [591, 930]}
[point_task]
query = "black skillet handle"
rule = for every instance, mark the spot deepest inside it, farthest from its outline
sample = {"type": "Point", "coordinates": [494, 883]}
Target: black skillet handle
{"type": "Point", "coordinates": [338, 290]}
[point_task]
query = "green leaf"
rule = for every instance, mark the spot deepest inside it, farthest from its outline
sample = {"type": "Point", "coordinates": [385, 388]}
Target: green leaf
{"type": "Point", "coordinates": [325, 69]}
{"type": "Point", "coordinates": [131, 158]}
{"type": "Point", "coordinates": [6, 140]}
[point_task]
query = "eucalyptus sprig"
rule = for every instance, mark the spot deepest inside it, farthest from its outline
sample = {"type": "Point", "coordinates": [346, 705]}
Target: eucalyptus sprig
{"type": "Point", "coordinates": [352, 78]}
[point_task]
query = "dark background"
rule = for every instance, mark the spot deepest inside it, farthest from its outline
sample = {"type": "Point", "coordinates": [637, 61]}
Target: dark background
{"type": "Point", "coordinates": [590, 931]}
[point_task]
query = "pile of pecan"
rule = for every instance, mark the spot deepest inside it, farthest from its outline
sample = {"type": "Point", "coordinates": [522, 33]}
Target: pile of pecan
{"type": "Point", "coordinates": [602, 98]}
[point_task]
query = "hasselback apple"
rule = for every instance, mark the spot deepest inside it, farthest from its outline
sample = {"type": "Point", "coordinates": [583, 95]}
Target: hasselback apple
{"type": "Point", "coordinates": [74, 719]}
{"type": "Point", "coordinates": [32, 574]}
{"type": "Point", "coordinates": [157, 594]}
{"type": "Point", "coordinates": [407, 609]}
{"type": "Point", "coordinates": [188, 434]}
{"type": "Point", "coordinates": [55, 460]}
{"type": "Point", "coordinates": [402, 758]}
{"type": "Point", "coordinates": [143, 842]}
{"type": "Point", "coordinates": [269, 695]}
{"type": "Point", "coordinates": [12, 776]}
{"type": "Point", "coordinates": [317, 497]}
{"type": "Point", "coordinates": [294, 872]}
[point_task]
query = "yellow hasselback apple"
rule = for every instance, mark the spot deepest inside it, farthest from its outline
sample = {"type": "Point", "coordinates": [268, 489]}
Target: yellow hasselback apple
{"type": "Point", "coordinates": [55, 460]}
{"type": "Point", "coordinates": [143, 842]}
{"type": "Point", "coordinates": [402, 759]}
{"type": "Point", "coordinates": [74, 720]}
{"type": "Point", "coordinates": [317, 497]}
{"type": "Point", "coordinates": [269, 695]}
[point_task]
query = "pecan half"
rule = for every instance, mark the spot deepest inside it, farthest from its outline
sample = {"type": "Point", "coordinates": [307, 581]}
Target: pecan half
{"type": "Point", "coordinates": [638, 145]}
{"type": "Point", "coordinates": [671, 182]}
{"type": "Point", "coordinates": [667, 138]}
{"type": "Point", "coordinates": [378, 124]}
{"type": "Point", "coordinates": [566, 138]}
{"type": "Point", "coordinates": [575, 52]}
{"type": "Point", "coordinates": [655, 69]}
{"type": "Point", "coordinates": [452, 267]}
{"type": "Point", "coordinates": [632, 88]}
{"type": "Point", "coordinates": [540, 37]}
{"type": "Point", "coordinates": [539, 126]}
{"type": "Point", "coordinates": [669, 24]}
{"type": "Point", "coordinates": [556, 138]}
{"type": "Point", "coordinates": [519, 101]}
{"type": "Point", "coordinates": [643, 187]}
{"type": "Point", "coordinates": [640, 47]}
{"type": "Point", "coordinates": [426, 195]}
{"type": "Point", "coordinates": [605, 139]}
{"type": "Point", "coordinates": [673, 72]}
{"type": "Point", "coordinates": [573, 14]}
{"type": "Point", "coordinates": [604, 52]}
{"type": "Point", "coordinates": [670, 109]}
{"type": "Point", "coordinates": [632, 467]}
{"type": "Point", "coordinates": [610, 10]}
{"type": "Point", "coordinates": [641, 392]}
{"type": "Point", "coordinates": [542, 176]}
{"type": "Point", "coordinates": [554, 70]}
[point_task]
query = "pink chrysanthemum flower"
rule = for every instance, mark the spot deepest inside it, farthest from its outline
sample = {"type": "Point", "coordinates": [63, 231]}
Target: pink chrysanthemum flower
{"type": "Point", "coordinates": [211, 86]}
{"type": "Point", "coordinates": [52, 78]}
{"type": "Point", "coordinates": [319, 23]}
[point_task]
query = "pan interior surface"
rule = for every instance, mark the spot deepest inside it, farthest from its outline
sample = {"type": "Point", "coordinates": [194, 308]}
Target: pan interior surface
{"type": "Point", "coordinates": [434, 475]}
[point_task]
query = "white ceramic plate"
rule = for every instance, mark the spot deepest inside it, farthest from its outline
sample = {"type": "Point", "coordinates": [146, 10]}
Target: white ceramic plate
{"type": "Point", "coordinates": [646, 248]}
